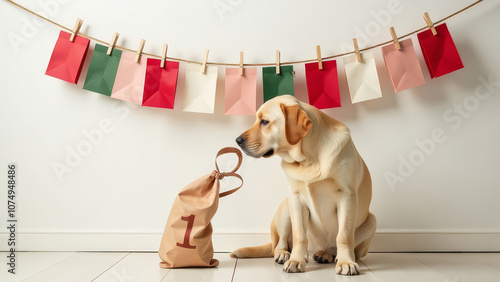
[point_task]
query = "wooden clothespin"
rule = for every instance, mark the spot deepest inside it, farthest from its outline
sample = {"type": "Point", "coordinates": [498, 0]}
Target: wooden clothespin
{"type": "Point", "coordinates": [112, 43]}
{"type": "Point", "coordinates": [356, 49]}
{"type": "Point", "coordinates": [139, 50]}
{"type": "Point", "coordinates": [241, 63]}
{"type": "Point", "coordinates": [429, 23]}
{"type": "Point", "coordinates": [76, 29]}
{"type": "Point", "coordinates": [395, 38]}
{"type": "Point", "coordinates": [318, 55]}
{"type": "Point", "coordinates": [277, 61]}
{"type": "Point", "coordinates": [204, 64]}
{"type": "Point", "coordinates": [163, 56]}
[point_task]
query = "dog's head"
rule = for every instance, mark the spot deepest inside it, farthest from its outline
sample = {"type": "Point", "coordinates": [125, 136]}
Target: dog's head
{"type": "Point", "coordinates": [280, 125]}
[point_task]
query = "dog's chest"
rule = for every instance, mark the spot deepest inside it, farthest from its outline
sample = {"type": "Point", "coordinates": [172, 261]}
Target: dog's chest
{"type": "Point", "coordinates": [321, 199]}
{"type": "Point", "coordinates": [322, 205]}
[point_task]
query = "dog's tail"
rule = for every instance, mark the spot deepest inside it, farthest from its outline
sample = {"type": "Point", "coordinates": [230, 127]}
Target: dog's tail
{"type": "Point", "coordinates": [263, 251]}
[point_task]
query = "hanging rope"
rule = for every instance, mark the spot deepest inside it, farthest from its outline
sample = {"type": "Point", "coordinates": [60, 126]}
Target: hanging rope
{"type": "Point", "coordinates": [237, 65]}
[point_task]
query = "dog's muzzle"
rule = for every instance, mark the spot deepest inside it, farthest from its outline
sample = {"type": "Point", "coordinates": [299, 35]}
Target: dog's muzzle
{"type": "Point", "coordinates": [241, 141]}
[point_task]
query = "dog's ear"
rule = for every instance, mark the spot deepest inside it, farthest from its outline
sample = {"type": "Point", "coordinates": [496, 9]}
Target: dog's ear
{"type": "Point", "coordinates": [297, 123]}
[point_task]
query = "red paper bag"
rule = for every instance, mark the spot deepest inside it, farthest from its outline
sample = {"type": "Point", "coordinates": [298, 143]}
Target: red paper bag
{"type": "Point", "coordinates": [440, 53]}
{"type": "Point", "coordinates": [160, 84]}
{"type": "Point", "coordinates": [67, 58]}
{"type": "Point", "coordinates": [323, 85]}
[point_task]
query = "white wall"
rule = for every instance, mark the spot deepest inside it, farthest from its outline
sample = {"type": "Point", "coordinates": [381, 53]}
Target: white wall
{"type": "Point", "coordinates": [119, 196]}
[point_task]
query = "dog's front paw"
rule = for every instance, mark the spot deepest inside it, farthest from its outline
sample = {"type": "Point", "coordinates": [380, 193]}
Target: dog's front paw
{"type": "Point", "coordinates": [346, 268]}
{"type": "Point", "coordinates": [293, 266]}
{"type": "Point", "coordinates": [281, 256]}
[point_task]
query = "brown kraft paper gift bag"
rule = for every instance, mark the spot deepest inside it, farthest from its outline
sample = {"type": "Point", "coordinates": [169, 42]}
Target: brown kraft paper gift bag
{"type": "Point", "coordinates": [187, 239]}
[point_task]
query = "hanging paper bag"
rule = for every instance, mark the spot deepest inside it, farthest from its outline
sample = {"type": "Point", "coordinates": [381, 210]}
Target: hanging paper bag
{"type": "Point", "coordinates": [277, 84]}
{"type": "Point", "coordinates": [241, 91]}
{"type": "Point", "coordinates": [67, 58]}
{"type": "Point", "coordinates": [160, 85]}
{"type": "Point", "coordinates": [102, 70]}
{"type": "Point", "coordinates": [440, 53]}
{"type": "Point", "coordinates": [323, 85]}
{"type": "Point", "coordinates": [403, 66]}
{"type": "Point", "coordinates": [129, 81]}
{"type": "Point", "coordinates": [187, 239]}
{"type": "Point", "coordinates": [362, 77]}
{"type": "Point", "coordinates": [199, 90]}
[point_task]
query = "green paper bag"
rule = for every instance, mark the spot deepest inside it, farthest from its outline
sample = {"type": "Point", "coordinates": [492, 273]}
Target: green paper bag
{"type": "Point", "coordinates": [277, 84]}
{"type": "Point", "coordinates": [102, 70]}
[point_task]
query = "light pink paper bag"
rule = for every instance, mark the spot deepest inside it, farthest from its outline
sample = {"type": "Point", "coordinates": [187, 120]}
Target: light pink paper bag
{"type": "Point", "coordinates": [129, 81]}
{"type": "Point", "coordinates": [241, 91]}
{"type": "Point", "coordinates": [403, 66]}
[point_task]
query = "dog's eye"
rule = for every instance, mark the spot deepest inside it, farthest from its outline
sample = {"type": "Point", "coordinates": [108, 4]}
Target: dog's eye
{"type": "Point", "coordinates": [264, 122]}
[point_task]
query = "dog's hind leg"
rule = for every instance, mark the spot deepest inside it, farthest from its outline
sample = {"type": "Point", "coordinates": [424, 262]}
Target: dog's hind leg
{"type": "Point", "coordinates": [323, 257]}
{"type": "Point", "coordinates": [363, 236]}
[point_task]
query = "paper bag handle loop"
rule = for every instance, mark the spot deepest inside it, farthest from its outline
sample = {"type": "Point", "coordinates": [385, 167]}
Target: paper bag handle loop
{"type": "Point", "coordinates": [220, 175]}
{"type": "Point", "coordinates": [229, 192]}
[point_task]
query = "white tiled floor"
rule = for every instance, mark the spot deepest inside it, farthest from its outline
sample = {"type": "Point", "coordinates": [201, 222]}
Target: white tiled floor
{"type": "Point", "coordinates": [123, 267]}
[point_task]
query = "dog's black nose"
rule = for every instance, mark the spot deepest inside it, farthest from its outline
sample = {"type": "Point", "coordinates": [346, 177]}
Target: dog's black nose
{"type": "Point", "coordinates": [240, 140]}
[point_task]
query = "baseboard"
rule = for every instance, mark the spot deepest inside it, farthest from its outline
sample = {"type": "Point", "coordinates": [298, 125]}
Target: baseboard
{"type": "Point", "coordinates": [384, 241]}
{"type": "Point", "coordinates": [445, 241]}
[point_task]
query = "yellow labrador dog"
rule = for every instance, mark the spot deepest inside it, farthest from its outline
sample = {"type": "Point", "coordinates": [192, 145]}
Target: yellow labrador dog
{"type": "Point", "coordinates": [327, 211]}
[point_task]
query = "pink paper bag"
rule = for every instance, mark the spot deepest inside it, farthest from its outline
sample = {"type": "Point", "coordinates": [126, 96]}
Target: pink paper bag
{"type": "Point", "coordinates": [67, 58]}
{"type": "Point", "coordinates": [160, 84]}
{"type": "Point", "coordinates": [440, 53]}
{"type": "Point", "coordinates": [129, 81]}
{"type": "Point", "coordinates": [403, 66]}
{"type": "Point", "coordinates": [323, 85]}
{"type": "Point", "coordinates": [241, 91]}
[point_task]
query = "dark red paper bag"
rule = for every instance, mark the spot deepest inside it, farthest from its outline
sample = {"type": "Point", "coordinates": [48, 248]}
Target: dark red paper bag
{"type": "Point", "coordinates": [67, 58]}
{"type": "Point", "coordinates": [160, 84]}
{"type": "Point", "coordinates": [440, 53]}
{"type": "Point", "coordinates": [323, 85]}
